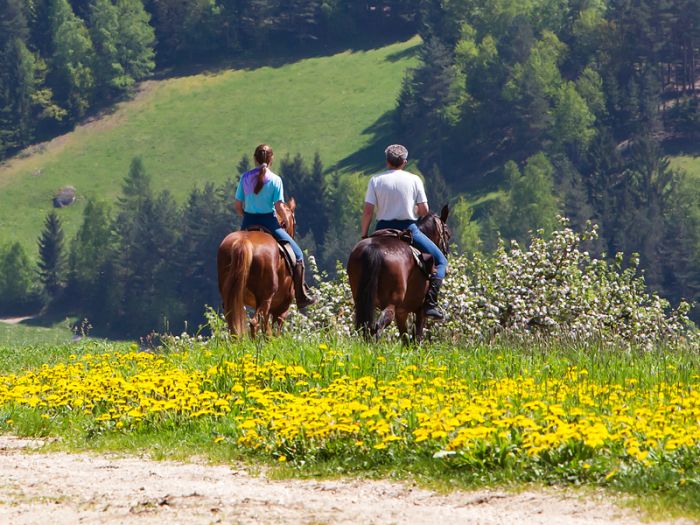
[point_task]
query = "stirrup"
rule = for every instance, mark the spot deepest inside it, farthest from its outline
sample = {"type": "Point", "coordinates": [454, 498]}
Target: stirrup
{"type": "Point", "coordinates": [434, 312]}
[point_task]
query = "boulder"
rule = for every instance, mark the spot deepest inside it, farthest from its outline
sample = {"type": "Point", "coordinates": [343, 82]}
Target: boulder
{"type": "Point", "coordinates": [64, 197]}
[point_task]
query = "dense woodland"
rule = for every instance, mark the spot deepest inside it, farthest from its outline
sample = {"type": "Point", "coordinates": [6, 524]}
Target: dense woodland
{"type": "Point", "coordinates": [541, 107]}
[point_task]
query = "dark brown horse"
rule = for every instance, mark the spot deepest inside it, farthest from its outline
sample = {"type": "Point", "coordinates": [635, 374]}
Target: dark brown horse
{"type": "Point", "coordinates": [384, 274]}
{"type": "Point", "coordinates": [252, 272]}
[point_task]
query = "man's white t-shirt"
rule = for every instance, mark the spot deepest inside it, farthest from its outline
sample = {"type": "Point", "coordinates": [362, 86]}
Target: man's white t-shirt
{"type": "Point", "coordinates": [395, 194]}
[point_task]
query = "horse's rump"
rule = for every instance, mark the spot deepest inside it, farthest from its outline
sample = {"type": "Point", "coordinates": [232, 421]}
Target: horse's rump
{"type": "Point", "coordinates": [251, 272]}
{"type": "Point", "coordinates": [382, 271]}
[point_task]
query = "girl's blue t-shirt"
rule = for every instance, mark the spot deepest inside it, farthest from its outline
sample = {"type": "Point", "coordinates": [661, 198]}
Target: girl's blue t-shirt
{"type": "Point", "coordinates": [264, 202]}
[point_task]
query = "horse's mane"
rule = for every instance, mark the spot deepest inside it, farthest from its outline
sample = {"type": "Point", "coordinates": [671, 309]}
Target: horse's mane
{"type": "Point", "coordinates": [427, 222]}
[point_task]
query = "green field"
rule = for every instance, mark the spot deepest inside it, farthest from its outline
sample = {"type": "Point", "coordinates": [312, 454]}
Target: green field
{"type": "Point", "coordinates": [23, 334]}
{"type": "Point", "coordinates": [688, 163]}
{"type": "Point", "coordinates": [194, 129]}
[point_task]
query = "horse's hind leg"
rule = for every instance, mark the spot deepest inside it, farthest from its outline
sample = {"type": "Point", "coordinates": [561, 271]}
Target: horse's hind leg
{"type": "Point", "coordinates": [254, 325]}
{"type": "Point", "coordinates": [385, 319]}
{"type": "Point", "coordinates": [420, 325]}
{"type": "Point", "coordinates": [402, 324]}
{"type": "Point", "coordinates": [262, 313]}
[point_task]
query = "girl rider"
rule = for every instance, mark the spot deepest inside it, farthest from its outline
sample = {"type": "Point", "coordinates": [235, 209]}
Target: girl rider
{"type": "Point", "coordinates": [260, 192]}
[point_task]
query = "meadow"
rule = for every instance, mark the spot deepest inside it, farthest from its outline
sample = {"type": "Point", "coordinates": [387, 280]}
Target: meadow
{"type": "Point", "coordinates": [476, 414]}
{"type": "Point", "coordinates": [194, 129]}
{"type": "Point", "coordinates": [26, 334]}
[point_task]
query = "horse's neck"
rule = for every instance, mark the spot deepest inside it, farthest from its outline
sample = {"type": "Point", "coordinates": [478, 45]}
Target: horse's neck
{"type": "Point", "coordinates": [430, 233]}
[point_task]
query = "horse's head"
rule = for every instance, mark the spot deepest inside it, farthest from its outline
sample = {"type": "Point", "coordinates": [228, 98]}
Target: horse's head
{"type": "Point", "coordinates": [436, 229]}
{"type": "Point", "coordinates": [287, 219]}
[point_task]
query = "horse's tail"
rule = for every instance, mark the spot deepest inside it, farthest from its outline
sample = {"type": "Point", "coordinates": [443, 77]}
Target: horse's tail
{"type": "Point", "coordinates": [371, 263]}
{"type": "Point", "coordinates": [236, 281]}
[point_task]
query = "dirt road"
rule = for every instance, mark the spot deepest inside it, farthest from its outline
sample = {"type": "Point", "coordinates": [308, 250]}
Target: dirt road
{"type": "Point", "coordinates": [63, 488]}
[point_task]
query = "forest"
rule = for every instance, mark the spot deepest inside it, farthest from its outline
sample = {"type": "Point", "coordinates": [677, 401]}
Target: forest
{"type": "Point", "coordinates": [517, 112]}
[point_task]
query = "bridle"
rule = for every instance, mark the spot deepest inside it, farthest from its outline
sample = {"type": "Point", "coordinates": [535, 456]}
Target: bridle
{"type": "Point", "coordinates": [443, 234]}
{"type": "Point", "coordinates": [284, 221]}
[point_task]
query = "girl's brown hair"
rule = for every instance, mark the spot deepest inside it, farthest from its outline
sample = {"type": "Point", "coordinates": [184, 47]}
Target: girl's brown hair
{"type": "Point", "coordinates": [263, 156]}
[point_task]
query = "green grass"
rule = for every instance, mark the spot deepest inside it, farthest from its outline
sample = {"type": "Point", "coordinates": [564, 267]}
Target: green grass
{"type": "Point", "coordinates": [688, 163]}
{"type": "Point", "coordinates": [24, 334]}
{"type": "Point", "coordinates": [194, 129]}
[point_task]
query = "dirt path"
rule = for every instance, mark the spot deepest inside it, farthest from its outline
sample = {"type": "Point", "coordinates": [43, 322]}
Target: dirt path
{"type": "Point", "coordinates": [63, 488]}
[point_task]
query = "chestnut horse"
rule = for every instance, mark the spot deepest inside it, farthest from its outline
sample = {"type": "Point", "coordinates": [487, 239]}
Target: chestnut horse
{"type": "Point", "coordinates": [384, 274]}
{"type": "Point", "coordinates": [252, 272]}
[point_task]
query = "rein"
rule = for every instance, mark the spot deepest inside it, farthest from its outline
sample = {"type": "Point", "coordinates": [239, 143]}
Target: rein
{"type": "Point", "coordinates": [442, 234]}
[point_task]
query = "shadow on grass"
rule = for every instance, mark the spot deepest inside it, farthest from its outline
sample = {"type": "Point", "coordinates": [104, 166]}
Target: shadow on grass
{"type": "Point", "coordinates": [682, 146]}
{"type": "Point", "coordinates": [281, 56]}
{"type": "Point", "coordinates": [370, 159]}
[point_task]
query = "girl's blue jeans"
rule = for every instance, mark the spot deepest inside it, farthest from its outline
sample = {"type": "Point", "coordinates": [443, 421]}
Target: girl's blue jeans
{"type": "Point", "coordinates": [269, 221]}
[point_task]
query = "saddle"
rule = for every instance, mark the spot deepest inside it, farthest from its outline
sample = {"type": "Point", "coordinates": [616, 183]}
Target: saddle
{"type": "Point", "coordinates": [424, 260]}
{"type": "Point", "coordinates": [284, 247]}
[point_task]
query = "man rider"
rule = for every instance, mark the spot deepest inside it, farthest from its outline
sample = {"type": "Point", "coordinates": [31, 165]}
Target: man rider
{"type": "Point", "coordinates": [399, 199]}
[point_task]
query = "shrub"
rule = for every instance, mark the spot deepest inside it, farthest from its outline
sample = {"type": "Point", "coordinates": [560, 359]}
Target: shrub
{"type": "Point", "coordinates": [552, 288]}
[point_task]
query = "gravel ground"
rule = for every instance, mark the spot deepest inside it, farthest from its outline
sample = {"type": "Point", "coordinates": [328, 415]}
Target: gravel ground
{"type": "Point", "coordinates": [63, 488]}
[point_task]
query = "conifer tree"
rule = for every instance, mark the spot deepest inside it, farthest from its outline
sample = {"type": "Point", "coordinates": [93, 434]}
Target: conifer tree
{"type": "Point", "coordinates": [243, 165]}
{"type": "Point", "coordinates": [72, 60]}
{"type": "Point", "coordinates": [51, 257]}
{"type": "Point", "coordinates": [16, 279]}
{"type": "Point", "coordinates": [90, 250]}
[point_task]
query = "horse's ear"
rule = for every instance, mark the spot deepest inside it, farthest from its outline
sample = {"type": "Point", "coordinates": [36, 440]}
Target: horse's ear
{"type": "Point", "coordinates": [444, 213]}
{"type": "Point", "coordinates": [292, 203]}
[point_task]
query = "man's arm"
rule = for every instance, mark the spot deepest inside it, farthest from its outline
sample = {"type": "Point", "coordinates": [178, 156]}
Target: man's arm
{"type": "Point", "coordinates": [238, 206]}
{"type": "Point", "coordinates": [422, 209]}
{"type": "Point", "coordinates": [367, 218]}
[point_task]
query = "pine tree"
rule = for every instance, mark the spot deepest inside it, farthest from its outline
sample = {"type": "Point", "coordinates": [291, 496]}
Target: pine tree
{"type": "Point", "coordinates": [16, 280]}
{"type": "Point", "coordinates": [73, 59]}
{"type": "Point", "coordinates": [104, 30]}
{"type": "Point", "coordinates": [243, 164]}
{"type": "Point", "coordinates": [314, 215]}
{"type": "Point", "coordinates": [206, 221]}
{"type": "Point", "coordinates": [17, 78]}
{"type": "Point", "coordinates": [437, 189]}
{"type": "Point", "coordinates": [90, 250]}
{"type": "Point", "coordinates": [51, 257]}
{"type": "Point", "coordinates": [136, 185]}
{"type": "Point", "coordinates": [135, 45]}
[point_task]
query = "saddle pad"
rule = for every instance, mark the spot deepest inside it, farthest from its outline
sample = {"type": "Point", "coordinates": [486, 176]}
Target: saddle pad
{"type": "Point", "coordinates": [423, 260]}
{"type": "Point", "coordinates": [402, 235]}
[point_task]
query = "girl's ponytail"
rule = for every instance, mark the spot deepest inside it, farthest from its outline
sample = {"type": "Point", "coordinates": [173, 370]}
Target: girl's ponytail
{"type": "Point", "coordinates": [263, 156]}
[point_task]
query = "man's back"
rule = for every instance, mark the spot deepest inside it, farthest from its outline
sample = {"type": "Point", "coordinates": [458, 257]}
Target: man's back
{"type": "Point", "coordinates": [395, 194]}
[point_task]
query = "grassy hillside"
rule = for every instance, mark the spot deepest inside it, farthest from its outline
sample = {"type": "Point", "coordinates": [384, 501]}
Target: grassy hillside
{"type": "Point", "coordinates": [689, 164]}
{"type": "Point", "coordinates": [26, 334]}
{"type": "Point", "coordinates": [194, 129]}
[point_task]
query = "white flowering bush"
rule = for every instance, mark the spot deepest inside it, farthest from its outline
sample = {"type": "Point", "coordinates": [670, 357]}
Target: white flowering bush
{"type": "Point", "coordinates": [333, 312]}
{"type": "Point", "coordinates": [553, 289]}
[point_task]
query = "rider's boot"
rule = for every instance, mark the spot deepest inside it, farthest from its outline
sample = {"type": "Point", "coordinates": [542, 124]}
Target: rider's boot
{"type": "Point", "coordinates": [301, 290]}
{"type": "Point", "coordinates": [432, 309]}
